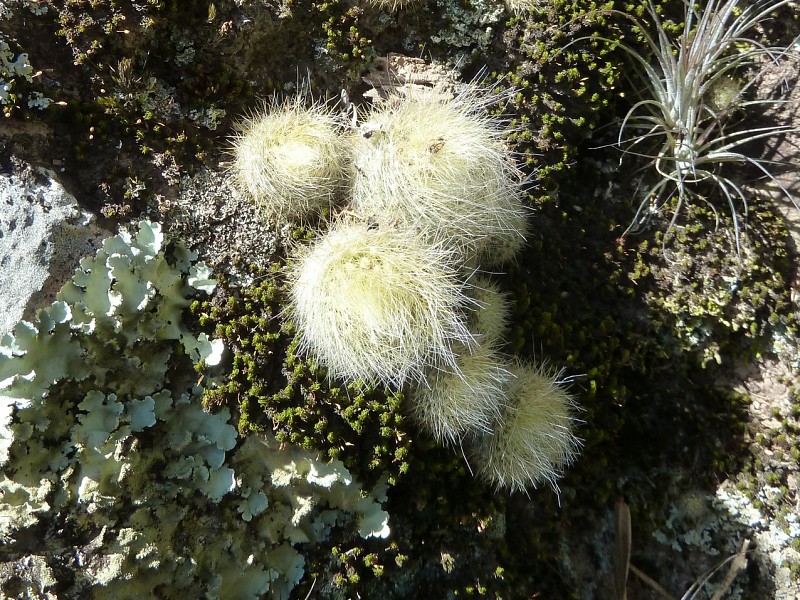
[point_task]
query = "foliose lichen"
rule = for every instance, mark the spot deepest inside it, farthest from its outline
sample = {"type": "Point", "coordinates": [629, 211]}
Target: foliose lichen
{"type": "Point", "coordinates": [17, 67]}
{"type": "Point", "coordinates": [110, 461]}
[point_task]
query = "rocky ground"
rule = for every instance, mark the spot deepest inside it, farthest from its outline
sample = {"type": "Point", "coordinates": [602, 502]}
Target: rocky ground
{"type": "Point", "coordinates": [682, 353]}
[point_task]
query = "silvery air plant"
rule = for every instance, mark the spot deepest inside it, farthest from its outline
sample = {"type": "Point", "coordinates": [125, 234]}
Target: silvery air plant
{"type": "Point", "coordinates": [388, 292]}
{"type": "Point", "coordinates": [693, 87]}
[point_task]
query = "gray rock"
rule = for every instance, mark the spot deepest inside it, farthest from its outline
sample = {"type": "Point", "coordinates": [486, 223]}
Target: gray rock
{"type": "Point", "coordinates": [43, 236]}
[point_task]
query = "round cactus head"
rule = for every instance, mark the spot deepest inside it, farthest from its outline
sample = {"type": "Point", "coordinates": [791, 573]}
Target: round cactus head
{"type": "Point", "coordinates": [534, 439]}
{"type": "Point", "coordinates": [290, 159]}
{"type": "Point", "coordinates": [440, 165]}
{"type": "Point", "coordinates": [454, 405]}
{"type": "Point", "coordinates": [378, 304]}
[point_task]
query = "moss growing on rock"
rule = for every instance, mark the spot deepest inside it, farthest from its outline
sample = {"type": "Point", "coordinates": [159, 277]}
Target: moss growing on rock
{"type": "Point", "coordinates": [272, 388]}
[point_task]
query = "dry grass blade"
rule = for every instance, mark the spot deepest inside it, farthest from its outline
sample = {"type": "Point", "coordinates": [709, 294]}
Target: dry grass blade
{"type": "Point", "coordinates": [622, 549]}
{"type": "Point", "coordinates": [662, 593]}
{"type": "Point", "coordinates": [738, 563]}
{"type": "Point", "coordinates": [622, 564]}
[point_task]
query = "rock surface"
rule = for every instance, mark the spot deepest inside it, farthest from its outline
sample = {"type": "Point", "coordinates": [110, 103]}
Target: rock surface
{"type": "Point", "coordinates": [43, 236]}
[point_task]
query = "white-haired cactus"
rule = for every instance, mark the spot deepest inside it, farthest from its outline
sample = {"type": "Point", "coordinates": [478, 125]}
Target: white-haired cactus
{"type": "Point", "coordinates": [453, 405]}
{"type": "Point", "coordinates": [440, 165]}
{"type": "Point", "coordinates": [534, 439]}
{"type": "Point", "coordinates": [290, 159]}
{"type": "Point", "coordinates": [489, 321]}
{"type": "Point", "coordinates": [379, 304]}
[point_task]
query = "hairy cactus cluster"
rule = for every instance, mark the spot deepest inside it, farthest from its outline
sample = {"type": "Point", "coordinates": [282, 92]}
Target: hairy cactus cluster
{"type": "Point", "coordinates": [390, 294]}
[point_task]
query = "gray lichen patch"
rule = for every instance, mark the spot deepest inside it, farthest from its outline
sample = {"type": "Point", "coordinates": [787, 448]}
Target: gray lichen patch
{"type": "Point", "coordinates": [28, 577]}
{"type": "Point", "coordinates": [214, 219]}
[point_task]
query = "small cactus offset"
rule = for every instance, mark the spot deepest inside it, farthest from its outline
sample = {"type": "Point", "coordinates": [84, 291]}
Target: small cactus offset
{"type": "Point", "coordinates": [489, 320]}
{"type": "Point", "coordinates": [290, 159]}
{"type": "Point", "coordinates": [534, 440]}
{"type": "Point", "coordinates": [454, 405]}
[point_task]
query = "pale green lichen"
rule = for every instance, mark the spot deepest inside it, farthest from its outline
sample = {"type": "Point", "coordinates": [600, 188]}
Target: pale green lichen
{"type": "Point", "coordinates": [99, 427]}
{"type": "Point", "coordinates": [17, 67]}
{"type": "Point", "coordinates": [469, 25]}
{"type": "Point", "coordinates": [11, 67]}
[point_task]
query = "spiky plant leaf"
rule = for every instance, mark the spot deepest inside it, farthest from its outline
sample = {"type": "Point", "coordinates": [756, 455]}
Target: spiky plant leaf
{"type": "Point", "coordinates": [679, 123]}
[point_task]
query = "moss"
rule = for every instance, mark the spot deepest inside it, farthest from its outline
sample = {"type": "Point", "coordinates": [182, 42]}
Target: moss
{"type": "Point", "coordinates": [347, 50]}
{"type": "Point", "coordinates": [765, 476]}
{"type": "Point", "coordinates": [156, 81]}
{"type": "Point", "coordinates": [565, 76]}
{"type": "Point", "coordinates": [271, 387]}
{"type": "Point", "coordinates": [625, 317]}
{"type": "Point", "coordinates": [721, 306]}
{"type": "Point", "coordinates": [22, 92]}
